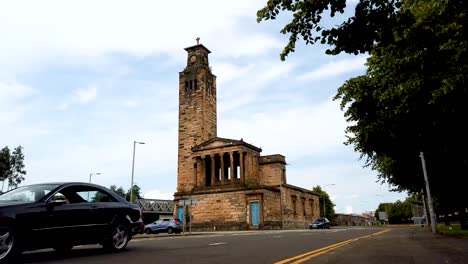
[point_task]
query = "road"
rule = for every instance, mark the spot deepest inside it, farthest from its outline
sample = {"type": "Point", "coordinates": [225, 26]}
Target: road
{"type": "Point", "coordinates": [346, 245]}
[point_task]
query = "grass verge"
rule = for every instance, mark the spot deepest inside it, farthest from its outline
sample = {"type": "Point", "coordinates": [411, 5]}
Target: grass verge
{"type": "Point", "coordinates": [452, 230]}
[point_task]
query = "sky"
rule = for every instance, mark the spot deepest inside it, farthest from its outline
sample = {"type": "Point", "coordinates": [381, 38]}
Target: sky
{"type": "Point", "coordinates": [81, 80]}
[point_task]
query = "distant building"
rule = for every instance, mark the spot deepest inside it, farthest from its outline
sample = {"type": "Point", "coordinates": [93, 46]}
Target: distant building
{"type": "Point", "coordinates": [353, 220]}
{"type": "Point", "coordinates": [234, 186]}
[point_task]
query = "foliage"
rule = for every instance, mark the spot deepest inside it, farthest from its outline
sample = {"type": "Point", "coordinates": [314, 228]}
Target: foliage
{"type": "Point", "coordinates": [413, 97]}
{"type": "Point", "coordinates": [120, 191]}
{"type": "Point", "coordinates": [4, 164]}
{"type": "Point", "coordinates": [329, 205]}
{"type": "Point", "coordinates": [126, 195]}
{"type": "Point", "coordinates": [135, 195]}
{"type": "Point", "coordinates": [12, 167]}
{"type": "Point", "coordinates": [399, 212]}
{"type": "Point", "coordinates": [251, 183]}
{"type": "Point", "coordinates": [452, 230]}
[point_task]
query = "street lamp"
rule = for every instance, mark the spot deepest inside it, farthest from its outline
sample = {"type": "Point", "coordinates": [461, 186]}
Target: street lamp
{"type": "Point", "coordinates": [91, 174]}
{"type": "Point", "coordinates": [133, 169]}
{"type": "Point", "coordinates": [323, 198]}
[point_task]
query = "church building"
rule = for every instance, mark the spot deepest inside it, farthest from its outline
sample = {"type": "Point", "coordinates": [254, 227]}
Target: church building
{"type": "Point", "coordinates": [234, 186]}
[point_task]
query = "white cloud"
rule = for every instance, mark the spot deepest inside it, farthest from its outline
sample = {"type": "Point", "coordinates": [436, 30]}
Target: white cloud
{"type": "Point", "coordinates": [14, 91]}
{"type": "Point", "coordinates": [12, 98]}
{"type": "Point", "coordinates": [85, 95]}
{"type": "Point", "coordinates": [85, 31]}
{"type": "Point", "coordinates": [130, 103]}
{"type": "Point", "coordinates": [157, 194]}
{"type": "Point", "coordinates": [82, 96]}
{"type": "Point", "coordinates": [349, 209]}
{"type": "Point", "coordinates": [335, 68]}
{"type": "Point", "coordinates": [291, 131]}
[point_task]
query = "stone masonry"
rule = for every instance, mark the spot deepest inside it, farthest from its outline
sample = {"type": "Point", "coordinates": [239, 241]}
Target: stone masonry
{"type": "Point", "coordinates": [235, 187]}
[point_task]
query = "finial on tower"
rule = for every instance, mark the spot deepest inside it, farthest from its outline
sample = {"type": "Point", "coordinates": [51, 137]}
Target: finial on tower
{"type": "Point", "coordinates": [198, 40]}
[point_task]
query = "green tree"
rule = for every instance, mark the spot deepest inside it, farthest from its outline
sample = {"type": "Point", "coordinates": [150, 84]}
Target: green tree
{"type": "Point", "coordinates": [136, 193]}
{"type": "Point", "coordinates": [329, 205]}
{"type": "Point", "coordinates": [413, 96]}
{"type": "Point", "coordinates": [398, 212]}
{"type": "Point", "coordinates": [12, 167]}
{"type": "Point", "coordinates": [5, 167]}
{"type": "Point", "coordinates": [17, 168]}
{"type": "Point", "coordinates": [120, 191]}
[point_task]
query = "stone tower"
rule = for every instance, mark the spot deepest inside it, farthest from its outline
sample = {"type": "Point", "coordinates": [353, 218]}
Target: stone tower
{"type": "Point", "coordinates": [197, 111]}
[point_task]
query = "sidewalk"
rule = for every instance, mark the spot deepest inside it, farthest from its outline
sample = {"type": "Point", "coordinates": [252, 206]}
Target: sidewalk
{"type": "Point", "coordinates": [401, 245]}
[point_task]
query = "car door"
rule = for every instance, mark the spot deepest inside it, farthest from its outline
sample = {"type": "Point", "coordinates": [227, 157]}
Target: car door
{"type": "Point", "coordinates": [69, 216]}
{"type": "Point", "coordinates": [105, 209]}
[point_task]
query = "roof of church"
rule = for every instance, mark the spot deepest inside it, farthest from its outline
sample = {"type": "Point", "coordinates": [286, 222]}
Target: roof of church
{"type": "Point", "coordinates": [226, 143]}
{"type": "Point", "coordinates": [197, 46]}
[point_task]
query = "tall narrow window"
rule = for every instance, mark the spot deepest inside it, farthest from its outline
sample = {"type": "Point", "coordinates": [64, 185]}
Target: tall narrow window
{"type": "Point", "coordinates": [293, 198]}
{"type": "Point", "coordinates": [312, 208]}
{"type": "Point", "coordinates": [191, 86]}
{"type": "Point", "coordinates": [303, 207]}
{"type": "Point", "coordinates": [195, 84]}
{"type": "Point", "coordinates": [208, 89]}
{"type": "Point", "coordinates": [186, 87]}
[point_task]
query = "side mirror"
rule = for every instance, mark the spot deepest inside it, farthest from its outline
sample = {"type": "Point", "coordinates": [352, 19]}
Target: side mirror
{"type": "Point", "coordinates": [53, 203]}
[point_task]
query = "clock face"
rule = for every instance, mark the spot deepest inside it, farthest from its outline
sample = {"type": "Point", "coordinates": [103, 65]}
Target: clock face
{"type": "Point", "coordinates": [193, 58]}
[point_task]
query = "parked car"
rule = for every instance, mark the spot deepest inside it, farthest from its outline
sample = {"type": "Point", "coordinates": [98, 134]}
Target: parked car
{"type": "Point", "coordinates": [164, 225]}
{"type": "Point", "coordinates": [63, 215]}
{"type": "Point", "coordinates": [320, 223]}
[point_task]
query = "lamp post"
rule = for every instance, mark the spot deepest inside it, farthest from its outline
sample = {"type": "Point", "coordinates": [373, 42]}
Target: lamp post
{"type": "Point", "coordinates": [323, 198]}
{"type": "Point", "coordinates": [133, 169]}
{"type": "Point", "coordinates": [91, 174]}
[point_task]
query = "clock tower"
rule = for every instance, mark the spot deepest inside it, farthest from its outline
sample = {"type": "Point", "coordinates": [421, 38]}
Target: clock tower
{"type": "Point", "coordinates": [197, 111]}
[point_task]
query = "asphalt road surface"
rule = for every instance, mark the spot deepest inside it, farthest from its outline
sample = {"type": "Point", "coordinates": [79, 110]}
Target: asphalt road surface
{"type": "Point", "coordinates": [347, 245]}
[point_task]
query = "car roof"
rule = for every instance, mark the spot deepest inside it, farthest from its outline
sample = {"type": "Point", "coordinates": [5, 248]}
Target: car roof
{"type": "Point", "coordinates": [61, 185]}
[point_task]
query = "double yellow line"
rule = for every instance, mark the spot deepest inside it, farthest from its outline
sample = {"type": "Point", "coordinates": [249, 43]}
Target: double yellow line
{"type": "Point", "coordinates": [312, 254]}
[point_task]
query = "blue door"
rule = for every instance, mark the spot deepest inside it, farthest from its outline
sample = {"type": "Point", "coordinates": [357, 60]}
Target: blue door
{"type": "Point", "coordinates": [180, 213]}
{"type": "Point", "coordinates": [255, 213]}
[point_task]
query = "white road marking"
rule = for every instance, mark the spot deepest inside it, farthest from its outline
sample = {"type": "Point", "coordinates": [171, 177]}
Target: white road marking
{"type": "Point", "coordinates": [277, 236]}
{"type": "Point", "coordinates": [217, 244]}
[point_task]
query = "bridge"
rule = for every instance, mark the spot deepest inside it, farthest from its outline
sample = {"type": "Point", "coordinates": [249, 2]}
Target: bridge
{"type": "Point", "coordinates": [162, 207]}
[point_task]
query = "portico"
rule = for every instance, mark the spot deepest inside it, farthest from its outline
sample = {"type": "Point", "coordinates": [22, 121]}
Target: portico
{"type": "Point", "coordinates": [223, 162]}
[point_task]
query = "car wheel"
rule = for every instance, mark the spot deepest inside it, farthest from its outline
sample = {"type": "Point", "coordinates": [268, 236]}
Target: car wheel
{"type": "Point", "coordinates": [170, 230]}
{"type": "Point", "coordinates": [119, 238]}
{"type": "Point", "coordinates": [63, 249]}
{"type": "Point", "coordinates": [8, 244]}
{"type": "Point", "coordinates": [148, 231]}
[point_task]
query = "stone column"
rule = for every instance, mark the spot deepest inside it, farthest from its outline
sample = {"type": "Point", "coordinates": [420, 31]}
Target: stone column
{"type": "Point", "coordinates": [213, 180]}
{"type": "Point", "coordinates": [203, 171]}
{"type": "Point", "coordinates": [241, 162]}
{"type": "Point", "coordinates": [231, 158]}
{"type": "Point", "coordinates": [222, 168]}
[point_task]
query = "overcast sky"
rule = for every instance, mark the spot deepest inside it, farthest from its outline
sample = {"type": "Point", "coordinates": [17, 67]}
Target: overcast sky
{"type": "Point", "coordinates": [81, 80]}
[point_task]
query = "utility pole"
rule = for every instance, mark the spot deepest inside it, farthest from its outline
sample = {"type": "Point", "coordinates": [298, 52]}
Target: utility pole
{"type": "Point", "coordinates": [429, 197]}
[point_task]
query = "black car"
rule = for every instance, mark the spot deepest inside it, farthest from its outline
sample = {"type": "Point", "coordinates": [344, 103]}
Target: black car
{"type": "Point", "coordinates": [63, 215]}
{"type": "Point", "coordinates": [320, 223]}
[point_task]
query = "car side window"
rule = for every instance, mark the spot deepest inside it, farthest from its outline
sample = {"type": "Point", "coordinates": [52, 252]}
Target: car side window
{"type": "Point", "coordinates": [83, 194]}
{"type": "Point", "coordinates": [95, 196]}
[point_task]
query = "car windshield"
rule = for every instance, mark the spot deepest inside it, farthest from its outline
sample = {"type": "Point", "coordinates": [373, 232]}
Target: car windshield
{"type": "Point", "coordinates": [30, 193]}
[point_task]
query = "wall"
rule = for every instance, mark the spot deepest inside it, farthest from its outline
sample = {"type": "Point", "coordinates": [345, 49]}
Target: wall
{"type": "Point", "coordinates": [297, 219]}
